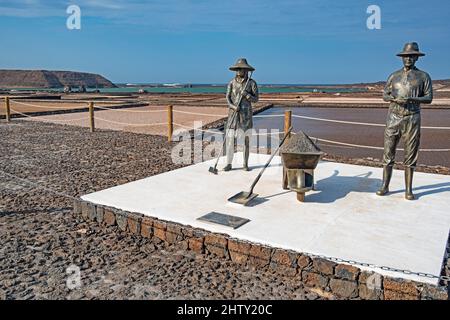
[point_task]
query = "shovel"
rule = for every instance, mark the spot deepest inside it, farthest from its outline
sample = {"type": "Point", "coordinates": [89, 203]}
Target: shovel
{"type": "Point", "coordinates": [214, 169]}
{"type": "Point", "coordinates": [245, 197]}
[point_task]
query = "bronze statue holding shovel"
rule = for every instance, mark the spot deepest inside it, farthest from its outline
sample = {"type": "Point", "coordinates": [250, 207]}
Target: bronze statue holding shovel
{"type": "Point", "coordinates": [242, 91]}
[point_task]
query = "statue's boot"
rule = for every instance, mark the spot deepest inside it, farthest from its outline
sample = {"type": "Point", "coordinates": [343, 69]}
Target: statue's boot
{"type": "Point", "coordinates": [408, 183]}
{"type": "Point", "coordinates": [246, 153]}
{"type": "Point", "coordinates": [387, 174]}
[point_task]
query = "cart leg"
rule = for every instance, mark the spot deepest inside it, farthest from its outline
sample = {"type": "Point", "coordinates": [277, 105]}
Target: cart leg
{"type": "Point", "coordinates": [285, 180]}
{"type": "Point", "coordinates": [314, 184]}
{"type": "Point", "coordinates": [301, 196]}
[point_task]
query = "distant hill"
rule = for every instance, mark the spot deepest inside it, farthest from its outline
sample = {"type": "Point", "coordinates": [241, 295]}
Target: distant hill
{"type": "Point", "coordinates": [445, 82]}
{"type": "Point", "coordinates": [51, 79]}
{"type": "Point", "coordinates": [437, 84]}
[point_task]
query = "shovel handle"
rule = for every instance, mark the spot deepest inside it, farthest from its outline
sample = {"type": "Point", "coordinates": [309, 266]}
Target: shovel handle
{"type": "Point", "coordinates": [224, 141]}
{"type": "Point", "coordinates": [270, 159]}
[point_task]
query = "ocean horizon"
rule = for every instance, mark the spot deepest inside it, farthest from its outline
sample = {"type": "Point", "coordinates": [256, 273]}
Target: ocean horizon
{"type": "Point", "coordinates": [205, 88]}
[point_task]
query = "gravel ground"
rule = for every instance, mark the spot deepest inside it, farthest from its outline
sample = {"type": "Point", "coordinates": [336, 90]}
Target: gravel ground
{"type": "Point", "coordinates": [41, 238]}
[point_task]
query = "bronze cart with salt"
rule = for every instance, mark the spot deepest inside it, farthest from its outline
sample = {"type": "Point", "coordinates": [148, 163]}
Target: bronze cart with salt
{"type": "Point", "coordinates": [300, 157]}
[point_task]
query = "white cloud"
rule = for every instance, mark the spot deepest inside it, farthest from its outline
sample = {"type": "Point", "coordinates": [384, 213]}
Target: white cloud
{"type": "Point", "coordinates": [105, 4]}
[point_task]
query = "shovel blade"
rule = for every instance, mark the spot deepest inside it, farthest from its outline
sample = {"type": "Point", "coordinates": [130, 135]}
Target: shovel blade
{"type": "Point", "coordinates": [213, 170]}
{"type": "Point", "coordinates": [243, 198]}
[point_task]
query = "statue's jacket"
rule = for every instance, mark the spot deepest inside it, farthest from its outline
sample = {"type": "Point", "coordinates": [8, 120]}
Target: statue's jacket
{"type": "Point", "coordinates": [244, 117]}
{"type": "Point", "coordinates": [412, 83]}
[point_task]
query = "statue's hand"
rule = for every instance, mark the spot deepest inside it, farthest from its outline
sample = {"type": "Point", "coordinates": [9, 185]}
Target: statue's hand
{"type": "Point", "coordinates": [235, 108]}
{"type": "Point", "coordinates": [401, 101]}
{"type": "Point", "coordinates": [247, 95]}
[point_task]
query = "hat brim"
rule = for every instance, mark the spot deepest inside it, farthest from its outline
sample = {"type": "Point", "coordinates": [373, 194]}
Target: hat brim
{"type": "Point", "coordinates": [410, 53]}
{"type": "Point", "coordinates": [235, 68]}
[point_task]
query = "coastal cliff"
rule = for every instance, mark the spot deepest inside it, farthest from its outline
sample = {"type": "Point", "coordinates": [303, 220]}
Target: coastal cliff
{"type": "Point", "coordinates": [51, 79]}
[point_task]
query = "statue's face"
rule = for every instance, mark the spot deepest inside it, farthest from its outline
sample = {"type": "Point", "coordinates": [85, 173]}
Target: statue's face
{"type": "Point", "coordinates": [409, 61]}
{"type": "Point", "coordinates": [242, 73]}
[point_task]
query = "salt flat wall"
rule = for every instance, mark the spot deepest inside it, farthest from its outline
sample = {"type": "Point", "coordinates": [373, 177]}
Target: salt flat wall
{"type": "Point", "coordinates": [328, 278]}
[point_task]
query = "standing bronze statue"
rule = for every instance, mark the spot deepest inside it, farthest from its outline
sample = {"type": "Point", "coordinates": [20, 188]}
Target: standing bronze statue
{"type": "Point", "coordinates": [242, 91]}
{"type": "Point", "coordinates": [405, 89]}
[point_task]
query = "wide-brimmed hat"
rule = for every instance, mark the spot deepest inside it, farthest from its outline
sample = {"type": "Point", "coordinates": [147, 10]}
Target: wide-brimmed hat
{"type": "Point", "coordinates": [411, 49]}
{"type": "Point", "coordinates": [241, 64]}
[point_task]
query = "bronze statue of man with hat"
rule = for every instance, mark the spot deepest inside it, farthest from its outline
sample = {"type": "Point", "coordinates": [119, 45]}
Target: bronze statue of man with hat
{"type": "Point", "coordinates": [405, 89]}
{"type": "Point", "coordinates": [242, 91]}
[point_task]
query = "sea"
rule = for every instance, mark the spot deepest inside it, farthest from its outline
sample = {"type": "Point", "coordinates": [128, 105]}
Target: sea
{"type": "Point", "coordinates": [208, 89]}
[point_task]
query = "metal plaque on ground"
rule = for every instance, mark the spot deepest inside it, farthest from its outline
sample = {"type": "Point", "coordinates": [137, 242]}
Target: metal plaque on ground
{"type": "Point", "coordinates": [224, 219]}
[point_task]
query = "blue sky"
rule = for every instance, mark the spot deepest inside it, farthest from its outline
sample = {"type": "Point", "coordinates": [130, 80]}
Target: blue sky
{"type": "Point", "coordinates": [291, 41]}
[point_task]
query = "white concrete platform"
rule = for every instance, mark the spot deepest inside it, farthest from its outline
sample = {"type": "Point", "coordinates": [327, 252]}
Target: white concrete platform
{"type": "Point", "coordinates": [343, 218]}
